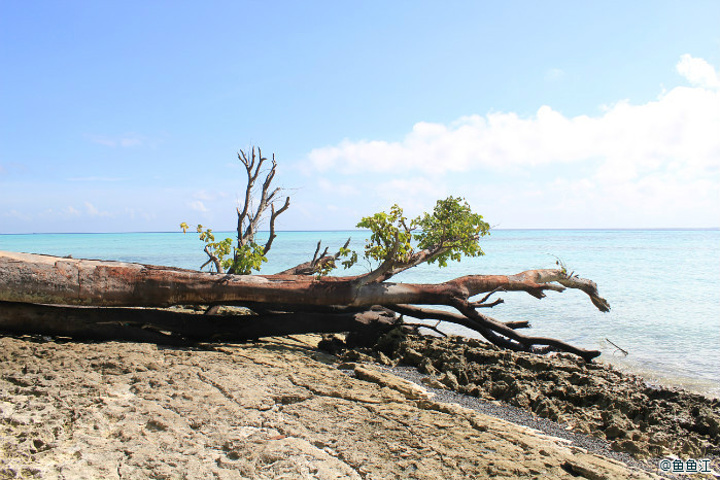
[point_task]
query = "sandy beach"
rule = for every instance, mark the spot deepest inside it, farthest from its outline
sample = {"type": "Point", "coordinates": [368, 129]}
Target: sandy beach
{"type": "Point", "coordinates": [276, 408]}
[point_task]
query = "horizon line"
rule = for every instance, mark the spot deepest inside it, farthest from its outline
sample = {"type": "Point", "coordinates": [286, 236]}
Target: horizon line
{"type": "Point", "coordinates": [363, 230]}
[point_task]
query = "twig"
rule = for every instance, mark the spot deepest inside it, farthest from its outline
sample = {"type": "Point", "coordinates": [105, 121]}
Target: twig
{"type": "Point", "coordinates": [624, 352]}
{"type": "Point", "coordinates": [485, 298]}
{"type": "Point", "coordinates": [429, 327]}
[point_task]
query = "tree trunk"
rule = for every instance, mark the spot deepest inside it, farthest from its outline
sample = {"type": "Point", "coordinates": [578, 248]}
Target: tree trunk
{"type": "Point", "coordinates": [47, 279]}
{"type": "Point", "coordinates": [44, 279]}
{"type": "Point", "coordinates": [179, 328]}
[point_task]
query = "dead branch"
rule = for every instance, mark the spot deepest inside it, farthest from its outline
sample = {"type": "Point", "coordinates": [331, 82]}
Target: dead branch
{"type": "Point", "coordinates": [317, 263]}
{"type": "Point", "coordinates": [248, 218]}
{"type": "Point", "coordinates": [445, 316]}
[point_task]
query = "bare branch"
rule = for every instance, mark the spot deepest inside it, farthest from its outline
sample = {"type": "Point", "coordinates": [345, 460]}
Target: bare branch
{"type": "Point", "coordinates": [213, 259]}
{"type": "Point", "coordinates": [528, 343]}
{"type": "Point", "coordinates": [247, 221]}
{"type": "Point", "coordinates": [311, 267]}
{"type": "Point", "coordinates": [315, 255]}
{"type": "Point", "coordinates": [249, 218]}
{"type": "Point", "coordinates": [481, 303]}
{"type": "Point", "coordinates": [487, 305]}
{"type": "Point", "coordinates": [418, 326]}
{"type": "Point", "coordinates": [445, 316]}
{"type": "Point", "coordinates": [274, 214]}
{"type": "Point", "coordinates": [249, 164]}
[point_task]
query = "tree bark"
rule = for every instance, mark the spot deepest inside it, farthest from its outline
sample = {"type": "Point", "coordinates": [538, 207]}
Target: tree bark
{"type": "Point", "coordinates": [47, 279]}
{"type": "Point", "coordinates": [44, 279]}
{"type": "Point", "coordinates": [179, 328]}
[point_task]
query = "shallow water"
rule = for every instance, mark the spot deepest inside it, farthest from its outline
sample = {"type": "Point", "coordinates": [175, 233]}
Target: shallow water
{"type": "Point", "coordinates": [663, 285]}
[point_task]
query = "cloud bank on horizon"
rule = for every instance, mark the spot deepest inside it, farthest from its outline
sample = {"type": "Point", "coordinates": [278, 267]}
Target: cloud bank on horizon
{"type": "Point", "coordinates": [650, 165]}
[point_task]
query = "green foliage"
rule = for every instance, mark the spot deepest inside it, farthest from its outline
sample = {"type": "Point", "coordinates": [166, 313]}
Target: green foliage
{"type": "Point", "coordinates": [351, 256]}
{"type": "Point", "coordinates": [451, 231]}
{"type": "Point", "coordinates": [247, 258]}
{"type": "Point", "coordinates": [390, 236]}
{"type": "Point", "coordinates": [240, 261]}
{"type": "Point", "coordinates": [324, 269]}
{"type": "Point", "coordinates": [452, 228]}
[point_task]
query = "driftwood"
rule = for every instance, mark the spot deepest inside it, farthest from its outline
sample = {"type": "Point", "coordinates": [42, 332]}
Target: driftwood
{"type": "Point", "coordinates": [27, 279]}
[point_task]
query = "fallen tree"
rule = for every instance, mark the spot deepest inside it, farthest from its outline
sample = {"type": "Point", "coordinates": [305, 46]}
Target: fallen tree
{"type": "Point", "coordinates": [42, 279]}
{"type": "Point", "coordinates": [89, 298]}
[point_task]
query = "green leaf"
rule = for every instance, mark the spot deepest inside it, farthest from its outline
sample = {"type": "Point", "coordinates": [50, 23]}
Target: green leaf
{"type": "Point", "coordinates": [452, 226]}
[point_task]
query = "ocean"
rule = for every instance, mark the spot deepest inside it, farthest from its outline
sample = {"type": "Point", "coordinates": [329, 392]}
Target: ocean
{"type": "Point", "coordinates": [663, 286]}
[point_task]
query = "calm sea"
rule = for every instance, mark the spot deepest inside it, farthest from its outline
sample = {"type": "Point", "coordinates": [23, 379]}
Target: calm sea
{"type": "Point", "coordinates": [663, 286]}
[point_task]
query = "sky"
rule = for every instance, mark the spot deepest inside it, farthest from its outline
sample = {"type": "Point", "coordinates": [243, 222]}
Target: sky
{"type": "Point", "coordinates": [128, 116]}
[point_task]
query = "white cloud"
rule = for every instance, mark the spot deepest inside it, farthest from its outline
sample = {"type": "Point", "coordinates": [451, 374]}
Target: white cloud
{"type": "Point", "coordinates": [637, 161]}
{"type": "Point", "coordinates": [683, 122]}
{"type": "Point", "coordinates": [698, 72]}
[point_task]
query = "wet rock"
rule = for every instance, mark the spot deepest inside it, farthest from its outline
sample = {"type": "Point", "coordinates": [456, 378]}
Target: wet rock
{"type": "Point", "coordinates": [707, 423]}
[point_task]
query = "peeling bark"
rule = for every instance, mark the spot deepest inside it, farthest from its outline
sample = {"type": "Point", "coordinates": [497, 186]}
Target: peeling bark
{"type": "Point", "coordinates": [44, 279]}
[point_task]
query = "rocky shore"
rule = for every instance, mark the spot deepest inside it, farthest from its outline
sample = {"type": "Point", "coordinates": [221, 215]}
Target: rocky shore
{"type": "Point", "coordinates": [646, 421]}
{"type": "Point", "coordinates": [276, 408]}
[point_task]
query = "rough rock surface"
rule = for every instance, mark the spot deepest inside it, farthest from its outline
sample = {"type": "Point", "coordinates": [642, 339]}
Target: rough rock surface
{"type": "Point", "coordinates": [637, 418]}
{"type": "Point", "coordinates": [273, 409]}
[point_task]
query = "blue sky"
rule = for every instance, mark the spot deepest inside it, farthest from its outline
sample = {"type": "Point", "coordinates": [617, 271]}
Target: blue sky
{"type": "Point", "coordinates": [127, 116]}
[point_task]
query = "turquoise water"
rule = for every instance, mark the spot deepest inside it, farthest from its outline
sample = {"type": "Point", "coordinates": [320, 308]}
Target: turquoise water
{"type": "Point", "coordinates": [663, 285]}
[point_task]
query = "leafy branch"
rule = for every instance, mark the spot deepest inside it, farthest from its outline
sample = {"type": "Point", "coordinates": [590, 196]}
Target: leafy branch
{"type": "Point", "coordinates": [450, 232]}
{"type": "Point", "coordinates": [226, 257]}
